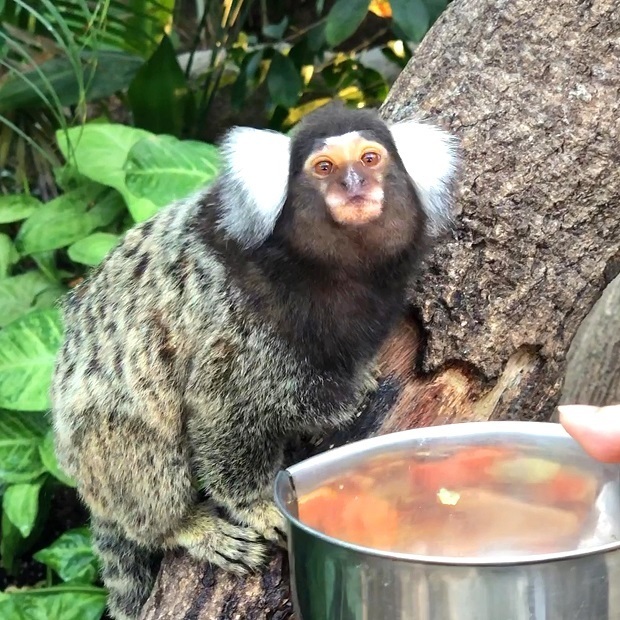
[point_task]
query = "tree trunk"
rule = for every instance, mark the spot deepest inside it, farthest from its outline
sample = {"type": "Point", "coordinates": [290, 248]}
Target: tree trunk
{"type": "Point", "coordinates": [593, 361]}
{"type": "Point", "coordinates": [531, 87]}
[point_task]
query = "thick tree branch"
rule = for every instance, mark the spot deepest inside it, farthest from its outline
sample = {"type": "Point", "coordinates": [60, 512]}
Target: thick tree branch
{"type": "Point", "coordinates": [531, 88]}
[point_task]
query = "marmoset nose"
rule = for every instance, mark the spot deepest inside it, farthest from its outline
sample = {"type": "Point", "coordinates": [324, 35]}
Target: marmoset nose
{"type": "Point", "coordinates": [352, 180]}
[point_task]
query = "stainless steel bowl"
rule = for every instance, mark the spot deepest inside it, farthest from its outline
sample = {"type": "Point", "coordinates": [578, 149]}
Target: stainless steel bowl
{"type": "Point", "coordinates": [337, 580]}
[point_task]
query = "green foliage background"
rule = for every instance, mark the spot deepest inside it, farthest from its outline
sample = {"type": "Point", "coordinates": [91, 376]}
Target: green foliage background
{"type": "Point", "coordinates": [81, 181]}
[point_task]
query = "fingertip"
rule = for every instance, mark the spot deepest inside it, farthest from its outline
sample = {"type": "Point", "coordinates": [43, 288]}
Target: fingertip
{"type": "Point", "coordinates": [596, 429]}
{"type": "Point", "coordinates": [577, 412]}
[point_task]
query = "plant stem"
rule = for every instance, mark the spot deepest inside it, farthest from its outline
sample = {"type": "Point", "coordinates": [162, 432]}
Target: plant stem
{"type": "Point", "coordinates": [196, 41]}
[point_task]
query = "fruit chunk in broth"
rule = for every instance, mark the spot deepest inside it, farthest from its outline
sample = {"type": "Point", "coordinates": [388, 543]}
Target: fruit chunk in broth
{"type": "Point", "coordinates": [480, 501]}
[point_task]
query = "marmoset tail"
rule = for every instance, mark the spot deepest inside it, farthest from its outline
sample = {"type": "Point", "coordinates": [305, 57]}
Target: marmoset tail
{"type": "Point", "coordinates": [232, 323]}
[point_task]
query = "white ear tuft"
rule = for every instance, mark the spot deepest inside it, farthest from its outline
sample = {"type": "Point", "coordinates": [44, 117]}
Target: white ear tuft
{"type": "Point", "coordinates": [429, 155]}
{"type": "Point", "coordinates": [253, 183]}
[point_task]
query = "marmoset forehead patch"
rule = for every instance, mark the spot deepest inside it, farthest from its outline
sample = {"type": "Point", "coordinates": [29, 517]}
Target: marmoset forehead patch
{"type": "Point", "coordinates": [345, 148]}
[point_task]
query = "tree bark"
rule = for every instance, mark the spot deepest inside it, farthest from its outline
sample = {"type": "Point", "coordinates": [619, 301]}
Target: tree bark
{"type": "Point", "coordinates": [531, 88]}
{"type": "Point", "coordinates": [593, 360]}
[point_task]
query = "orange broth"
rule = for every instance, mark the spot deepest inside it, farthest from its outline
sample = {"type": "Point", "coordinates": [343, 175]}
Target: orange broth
{"type": "Point", "coordinates": [479, 501]}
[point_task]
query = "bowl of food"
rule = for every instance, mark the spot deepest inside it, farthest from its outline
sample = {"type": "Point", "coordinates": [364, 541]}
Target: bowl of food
{"type": "Point", "coordinates": [474, 521]}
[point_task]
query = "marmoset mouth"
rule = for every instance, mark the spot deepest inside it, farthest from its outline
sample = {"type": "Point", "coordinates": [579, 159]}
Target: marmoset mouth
{"type": "Point", "coordinates": [357, 200]}
{"type": "Point", "coordinates": [357, 211]}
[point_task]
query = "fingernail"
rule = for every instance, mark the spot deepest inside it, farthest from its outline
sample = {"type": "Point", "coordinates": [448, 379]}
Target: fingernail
{"type": "Point", "coordinates": [578, 410]}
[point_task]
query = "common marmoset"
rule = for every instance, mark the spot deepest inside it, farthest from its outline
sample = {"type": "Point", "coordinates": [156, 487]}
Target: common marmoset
{"type": "Point", "coordinates": [232, 321]}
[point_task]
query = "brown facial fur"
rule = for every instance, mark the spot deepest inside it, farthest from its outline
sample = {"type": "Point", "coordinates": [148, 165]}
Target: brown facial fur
{"type": "Point", "coordinates": [397, 228]}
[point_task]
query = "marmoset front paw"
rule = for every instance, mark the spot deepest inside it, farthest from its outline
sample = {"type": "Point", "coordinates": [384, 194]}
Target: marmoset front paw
{"type": "Point", "coordinates": [235, 548]}
{"type": "Point", "coordinates": [265, 519]}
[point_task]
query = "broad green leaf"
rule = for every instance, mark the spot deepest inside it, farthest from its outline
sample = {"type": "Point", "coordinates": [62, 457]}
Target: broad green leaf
{"type": "Point", "coordinates": [92, 249]}
{"type": "Point", "coordinates": [18, 294]}
{"type": "Point", "coordinates": [99, 151]}
{"type": "Point", "coordinates": [344, 19]}
{"type": "Point", "coordinates": [17, 207]}
{"type": "Point", "coordinates": [435, 8]}
{"type": "Point", "coordinates": [159, 95]}
{"type": "Point", "coordinates": [68, 601]}
{"type": "Point", "coordinates": [246, 79]}
{"type": "Point", "coordinates": [71, 556]}
{"type": "Point", "coordinates": [140, 208]}
{"type": "Point", "coordinates": [412, 17]}
{"type": "Point", "coordinates": [21, 435]}
{"type": "Point", "coordinates": [284, 81]}
{"type": "Point", "coordinates": [46, 262]}
{"type": "Point", "coordinates": [49, 460]}
{"type": "Point", "coordinates": [109, 208]}
{"type": "Point", "coordinates": [8, 255]}
{"type": "Point", "coordinates": [67, 176]}
{"type": "Point", "coordinates": [28, 348]}
{"type": "Point", "coordinates": [276, 31]}
{"type": "Point", "coordinates": [163, 169]}
{"type": "Point", "coordinates": [11, 546]}
{"type": "Point", "coordinates": [21, 504]}
{"type": "Point", "coordinates": [316, 37]}
{"type": "Point", "coordinates": [60, 222]}
{"type": "Point", "coordinates": [140, 31]}
{"type": "Point", "coordinates": [103, 74]}
{"type": "Point", "coordinates": [49, 297]}
{"type": "Point", "coordinates": [64, 220]}
{"type": "Point", "coordinates": [373, 84]}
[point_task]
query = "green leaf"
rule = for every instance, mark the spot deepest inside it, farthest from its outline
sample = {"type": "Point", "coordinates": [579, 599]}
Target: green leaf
{"type": "Point", "coordinates": [316, 37]}
{"type": "Point", "coordinates": [246, 78]}
{"type": "Point", "coordinates": [11, 546]}
{"type": "Point", "coordinates": [344, 19]}
{"type": "Point", "coordinates": [67, 601]}
{"type": "Point", "coordinates": [49, 297]}
{"type": "Point", "coordinates": [71, 556]}
{"type": "Point", "coordinates": [8, 255]}
{"type": "Point", "coordinates": [373, 84]}
{"type": "Point", "coordinates": [284, 81]}
{"type": "Point", "coordinates": [21, 504]}
{"type": "Point", "coordinates": [46, 262]}
{"type": "Point", "coordinates": [276, 31]}
{"type": "Point", "coordinates": [103, 74]}
{"type": "Point", "coordinates": [412, 17]}
{"type": "Point", "coordinates": [17, 207]}
{"type": "Point", "coordinates": [18, 294]}
{"type": "Point", "coordinates": [110, 207]}
{"type": "Point", "coordinates": [133, 25]}
{"type": "Point", "coordinates": [162, 169]}
{"type": "Point", "coordinates": [435, 8]}
{"type": "Point", "coordinates": [67, 176]}
{"type": "Point", "coordinates": [99, 152]}
{"type": "Point", "coordinates": [48, 457]}
{"type": "Point", "coordinates": [147, 22]}
{"type": "Point", "coordinates": [28, 348]}
{"type": "Point", "coordinates": [60, 222]}
{"type": "Point", "coordinates": [21, 435]}
{"type": "Point", "coordinates": [159, 95]}
{"type": "Point", "coordinates": [92, 249]}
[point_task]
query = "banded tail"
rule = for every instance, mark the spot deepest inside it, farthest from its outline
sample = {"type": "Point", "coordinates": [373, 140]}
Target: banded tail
{"type": "Point", "coordinates": [128, 569]}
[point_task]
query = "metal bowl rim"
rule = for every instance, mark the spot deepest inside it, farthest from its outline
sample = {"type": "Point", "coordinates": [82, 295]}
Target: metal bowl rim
{"type": "Point", "coordinates": [463, 429]}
